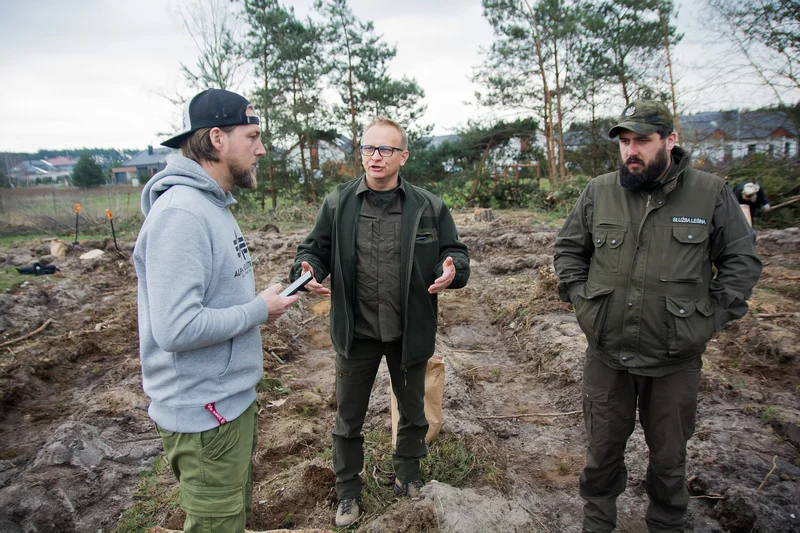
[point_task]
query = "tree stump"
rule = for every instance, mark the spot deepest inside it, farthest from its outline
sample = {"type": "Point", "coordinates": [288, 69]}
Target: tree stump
{"type": "Point", "coordinates": [484, 214]}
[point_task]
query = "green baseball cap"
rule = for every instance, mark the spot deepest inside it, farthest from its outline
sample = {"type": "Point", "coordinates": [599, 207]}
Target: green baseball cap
{"type": "Point", "coordinates": [643, 117]}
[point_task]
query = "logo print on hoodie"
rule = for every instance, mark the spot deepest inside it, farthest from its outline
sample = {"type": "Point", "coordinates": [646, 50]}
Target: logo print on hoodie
{"type": "Point", "coordinates": [242, 253]}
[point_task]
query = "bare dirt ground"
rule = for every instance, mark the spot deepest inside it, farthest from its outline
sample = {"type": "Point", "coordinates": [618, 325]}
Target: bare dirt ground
{"type": "Point", "coordinates": [75, 436]}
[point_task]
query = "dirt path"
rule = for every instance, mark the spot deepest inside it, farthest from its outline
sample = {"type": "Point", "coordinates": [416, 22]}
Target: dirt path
{"type": "Point", "coordinates": [74, 433]}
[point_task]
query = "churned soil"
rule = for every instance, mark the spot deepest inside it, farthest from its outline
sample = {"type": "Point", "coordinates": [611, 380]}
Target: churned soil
{"type": "Point", "coordinates": [75, 436]}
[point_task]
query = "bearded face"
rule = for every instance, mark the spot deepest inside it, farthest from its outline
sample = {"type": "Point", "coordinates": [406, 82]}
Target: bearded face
{"type": "Point", "coordinates": [644, 174]}
{"type": "Point", "coordinates": [244, 176]}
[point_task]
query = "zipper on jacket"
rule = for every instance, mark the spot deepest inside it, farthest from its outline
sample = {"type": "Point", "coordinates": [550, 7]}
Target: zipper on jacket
{"type": "Point", "coordinates": [644, 218]}
{"type": "Point", "coordinates": [407, 281]}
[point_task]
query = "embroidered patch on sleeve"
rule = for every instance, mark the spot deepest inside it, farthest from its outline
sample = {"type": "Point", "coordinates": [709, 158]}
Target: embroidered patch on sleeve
{"type": "Point", "coordinates": [689, 220]}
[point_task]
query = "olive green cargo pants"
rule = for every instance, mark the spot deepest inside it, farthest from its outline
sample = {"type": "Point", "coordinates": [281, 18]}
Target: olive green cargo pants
{"type": "Point", "coordinates": [667, 410]}
{"type": "Point", "coordinates": [215, 471]}
{"type": "Point", "coordinates": [355, 375]}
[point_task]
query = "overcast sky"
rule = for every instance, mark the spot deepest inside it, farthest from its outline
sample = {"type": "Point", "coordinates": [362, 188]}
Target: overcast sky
{"type": "Point", "coordinates": [89, 73]}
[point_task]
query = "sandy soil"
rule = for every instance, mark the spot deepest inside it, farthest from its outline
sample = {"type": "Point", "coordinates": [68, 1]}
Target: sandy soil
{"type": "Point", "coordinates": [74, 433]}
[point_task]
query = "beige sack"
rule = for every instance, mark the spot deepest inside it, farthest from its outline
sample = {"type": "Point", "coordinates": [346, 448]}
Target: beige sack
{"type": "Point", "coordinates": [58, 248]}
{"type": "Point", "coordinates": [747, 214]}
{"type": "Point", "coordinates": [434, 390]}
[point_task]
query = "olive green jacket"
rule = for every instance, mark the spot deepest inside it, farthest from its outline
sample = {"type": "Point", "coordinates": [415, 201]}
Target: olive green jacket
{"type": "Point", "coordinates": [638, 266]}
{"type": "Point", "coordinates": [429, 237]}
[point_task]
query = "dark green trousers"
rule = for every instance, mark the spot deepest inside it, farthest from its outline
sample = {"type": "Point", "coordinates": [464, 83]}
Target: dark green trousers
{"type": "Point", "coordinates": [355, 375]}
{"type": "Point", "coordinates": [667, 411]}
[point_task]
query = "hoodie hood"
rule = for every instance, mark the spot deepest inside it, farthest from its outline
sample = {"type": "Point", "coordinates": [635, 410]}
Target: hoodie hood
{"type": "Point", "coordinates": [183, 171]}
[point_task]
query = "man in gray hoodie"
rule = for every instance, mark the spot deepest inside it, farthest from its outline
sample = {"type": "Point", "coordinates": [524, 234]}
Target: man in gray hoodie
{"type": "Point", "coordinates": [199, 340]}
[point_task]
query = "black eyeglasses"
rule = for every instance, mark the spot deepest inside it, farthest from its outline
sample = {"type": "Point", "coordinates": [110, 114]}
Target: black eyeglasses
{"type": "Point", "coordinates": [385, 151]}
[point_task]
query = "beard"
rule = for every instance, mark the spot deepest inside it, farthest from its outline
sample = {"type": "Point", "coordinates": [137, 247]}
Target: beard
{"type": "Point", "coordinates": [243, 176]}
{"type": "Point", "coordinates": [648, 176]}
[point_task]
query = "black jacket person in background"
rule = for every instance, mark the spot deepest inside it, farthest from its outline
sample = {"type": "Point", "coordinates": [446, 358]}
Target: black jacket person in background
{"type": "Point", "coordinates": [752, 194]}
{"type": "Point", "coordinates": [635, 257]}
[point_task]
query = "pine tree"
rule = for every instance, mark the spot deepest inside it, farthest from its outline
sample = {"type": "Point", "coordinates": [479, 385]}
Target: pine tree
{"type": "Point", "coordinates": [87, 174]}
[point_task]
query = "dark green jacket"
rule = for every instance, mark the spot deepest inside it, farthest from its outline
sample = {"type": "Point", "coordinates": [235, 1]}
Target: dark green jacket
{"type": "Point", "coordinates": [638, 266]}
{"type": "Point", "coordinates": [429, 237]}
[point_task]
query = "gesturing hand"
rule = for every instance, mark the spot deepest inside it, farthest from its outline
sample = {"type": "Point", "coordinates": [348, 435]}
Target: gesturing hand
{"type": "Point", "coordinates": [313, 285]}
{"type": "Point", "coordinates": [447, 277]}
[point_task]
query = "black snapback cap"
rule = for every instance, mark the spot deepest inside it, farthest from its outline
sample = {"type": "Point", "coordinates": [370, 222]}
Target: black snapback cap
{"type": "Point", "coordinates": [212, 108]}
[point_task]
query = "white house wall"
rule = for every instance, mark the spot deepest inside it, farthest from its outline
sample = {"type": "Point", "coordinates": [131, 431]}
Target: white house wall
{"type": "Point", "coordinates": [715, 149]}
{"type": "Point", "coordinates": [327, 153]}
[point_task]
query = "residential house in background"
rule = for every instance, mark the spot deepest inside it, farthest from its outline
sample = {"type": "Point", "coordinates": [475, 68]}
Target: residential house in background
{"type": "Point", "coordinates": [716, 137]}
{"type": "Point", "coordinates": [62, 163]}
{"type": "Point", "coordinates": [142, 166]}
{"type": "Point", "coordinates": [323, 153]}
{"type": "Point", "coordinates": [38, 171]}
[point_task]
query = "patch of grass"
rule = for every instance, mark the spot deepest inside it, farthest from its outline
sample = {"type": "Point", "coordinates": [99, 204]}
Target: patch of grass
{"type": "Point", "coordinates": [288, 520]}
{"type": "Point", "coordinates": [273, 386]}
{"type": "Point", "coordinates": [450, 461]}
{"type": "Point", "coordinates": [155, 493]}
{"type": "Point", "coordinates": [7, 454]}
{"type": "Point", "coordinates": [769, 412]}
{"type": "Point", "coordinates": [11, 279]}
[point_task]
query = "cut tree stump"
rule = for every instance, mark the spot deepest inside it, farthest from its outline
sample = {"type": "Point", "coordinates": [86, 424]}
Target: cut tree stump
{"type": "Point", "coordinates": [484, 214]}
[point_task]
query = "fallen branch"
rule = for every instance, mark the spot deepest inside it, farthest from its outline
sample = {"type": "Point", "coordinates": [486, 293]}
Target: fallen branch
{"type": "Point", "coordinates": [775, 315]}
{"type": "Point", "coordinates": [471, 351]}
{"type": "Point", "coordinates": [791, 200]}
{"type": "Point", "coordinates": [31, 334]}
{"type": "Point", "coordinates": [281, 361]}
{"type": "Point", "coordinates": [306, 321]}
{"type": "Point", "coordinates": [709, 496]}
{"type": "Point", "coordinates": [524, 415]}
{"type": "Point", "coordinates": [774, 466]}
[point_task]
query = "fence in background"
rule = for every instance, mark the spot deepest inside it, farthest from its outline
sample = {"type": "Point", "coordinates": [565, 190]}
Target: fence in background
{"type": "Point", "coordinates": [26, 210]}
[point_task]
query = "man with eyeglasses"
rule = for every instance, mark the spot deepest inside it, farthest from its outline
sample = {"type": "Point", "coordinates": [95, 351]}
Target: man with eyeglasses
{"type": "Point", "coordinates": [199, 314]}
{"type": "Point", "coordinates": [390, 248]}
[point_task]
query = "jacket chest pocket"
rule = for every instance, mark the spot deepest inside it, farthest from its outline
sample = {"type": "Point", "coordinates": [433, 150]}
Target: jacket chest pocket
{"type": "Point", "coordinates": [608, 249]}
{"type": "Point", "coordinates": [684, 254]}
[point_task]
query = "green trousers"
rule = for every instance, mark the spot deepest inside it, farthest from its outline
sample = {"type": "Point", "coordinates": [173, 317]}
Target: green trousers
{"type": "Point", "coordinates": [215, 471]}
{"type": "Point", "coordinates": [667, 410]}
{"type": "Point", "coordinates": [355, 375]}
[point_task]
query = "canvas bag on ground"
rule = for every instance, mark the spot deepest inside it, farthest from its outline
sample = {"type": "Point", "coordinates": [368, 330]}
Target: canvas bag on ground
{"type": "Point", "coordinates": [434, 390]}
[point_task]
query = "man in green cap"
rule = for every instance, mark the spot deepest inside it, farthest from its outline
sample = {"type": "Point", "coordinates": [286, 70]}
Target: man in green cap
{"type": "Point", "coordinates": [636, 258]}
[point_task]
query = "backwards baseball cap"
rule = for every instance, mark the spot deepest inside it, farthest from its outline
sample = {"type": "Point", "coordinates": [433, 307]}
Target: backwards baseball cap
{"type": "Point", "coordinates": [212, 108]}
{"type": "Point", "coordinates": [643, 117]}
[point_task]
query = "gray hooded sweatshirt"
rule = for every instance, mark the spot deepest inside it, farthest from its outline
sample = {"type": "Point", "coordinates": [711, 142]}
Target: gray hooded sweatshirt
{"type": "Point", "coordinates": [199, 341]}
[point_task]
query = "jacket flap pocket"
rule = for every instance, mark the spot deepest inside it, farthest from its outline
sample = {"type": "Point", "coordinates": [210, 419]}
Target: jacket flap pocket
{"type": "Point", "coordinates": [595, 395]}
{"type": "Point", "coordinates": [690, 235]}
{"type": "Point", "coordinates": [589, 291]}
{"type": "Point", "coordinates": [680, 307]}
{"type": "Point", "coordinates": [615, 238]}
{"type": "Point", "coordinates": [705, 306]}
{"type": "Point", "coordinates": [599, 238]}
